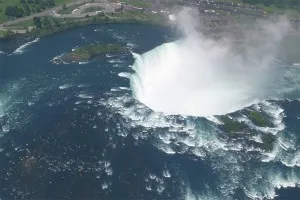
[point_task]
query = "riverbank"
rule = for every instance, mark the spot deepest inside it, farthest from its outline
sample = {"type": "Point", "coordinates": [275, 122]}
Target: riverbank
{"type": "Point", "coordinates": [56, 25]}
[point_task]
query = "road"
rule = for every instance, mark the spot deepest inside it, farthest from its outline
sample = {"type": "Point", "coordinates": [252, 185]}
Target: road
{"type": "Point", "coordinates": [79, 12]}
{"type": "Point", "coordinates": [51, 12]}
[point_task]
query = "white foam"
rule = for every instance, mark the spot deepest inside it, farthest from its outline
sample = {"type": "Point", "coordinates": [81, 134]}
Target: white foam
{"type": "Point", "coordinates": [29, 103]}
{"type": "Point", "coordinates": [84, 62]}
{"type": "Point", "coordinates": [166, 173]}
{"type": "Point", "coordinates": [148, 187]}
{"type": "Point", "coordinates": [5, 128]}
{"type": "Point", "coordinates": [152, 176]}
{"type": "Point", "coordinates": [73, 49]}
{"type": "Point", "coordinates": [85, 96]}
{"type": "Point", "coordinates": [124, 88]}
{"type": "Point", "coordinates": [197, 140]}
{"type": "Point", "coordinates": [214, 119]}
{"type": "Point", "coordinates": [82, 85]}
{"type": "Point", "coordinates": [228, 157]}
{"type": "Point", "coordinates": [273, 179]}
{"type": "Point", "coordinates": [105, 186]}
{"type": "Point", "coordinates": [160, 188]}
{"type": "Point", "coordinates": [114, 61]}
{"type": "Point", "coordinates": [109, 55]}
{"type": "Point", "coordinates": [114, 89]}
{"type": "Point", "coordinates": [58, 59]}
{"type": "Point", "coordinates": [131, 45]}
{"type": "Point", "coordinates": [65, 86]}
{"type": "Point", "coordinates": [124, 74]}
{"type": "Point", "coordinates": [22, 48]}
{"type": "Point", "coordinates": [109, 171]}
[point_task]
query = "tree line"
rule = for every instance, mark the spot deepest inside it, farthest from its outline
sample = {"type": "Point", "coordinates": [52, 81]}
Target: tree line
{"type": "Point", "coordinates": [28, 7]}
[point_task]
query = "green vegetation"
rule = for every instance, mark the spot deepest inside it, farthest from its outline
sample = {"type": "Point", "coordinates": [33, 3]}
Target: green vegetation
{"type": "Point", "coordinates": [138, 3]}
{"type": "Point", "coordinates": [68, 9]}
{"type": "Point", "coordinates": [11, 9]}
{"type": "Point", "coordinates": [22, 24]}
{"type": "Point", "coordinates": [50, 25]}
{"type": "Point", "coordinates": [3, 5]}
{"type": "Point", "coordinates": [135, 16]}
{"type": "Point", "coordinates": [27, 7]}
{"type": "Point", "coordinates": [93, 9]}
{"type": "Point", "coordinates": [232, 126]}
{"type": "Point", "coordinates": [268, 142]}
{"type": "Point", "coordinates": [85, 53]}
{"type": "Point", "coordinates": [259, 119]}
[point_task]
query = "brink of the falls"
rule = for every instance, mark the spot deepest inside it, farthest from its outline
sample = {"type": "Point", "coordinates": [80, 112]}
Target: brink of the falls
{"type": "Point", "coordinates": [199, 78]}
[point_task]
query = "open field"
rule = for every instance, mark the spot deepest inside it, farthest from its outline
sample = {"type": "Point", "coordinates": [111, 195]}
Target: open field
{"type": "Point", "coordinates": [139, 3]}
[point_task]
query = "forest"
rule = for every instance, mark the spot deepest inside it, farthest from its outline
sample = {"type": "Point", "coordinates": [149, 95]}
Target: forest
{"type": "Point", "coordinates": [27, 7]}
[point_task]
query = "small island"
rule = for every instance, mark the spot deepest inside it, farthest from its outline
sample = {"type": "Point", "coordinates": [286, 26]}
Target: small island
{"type": "Point", "coordinates": [83, 54]}
{"type": "Point", "coordinates": [233, 126]}
{"type": "Point", "coordinates": [258, 119]}
{"type": "Point", "coordinates": [235, 129]}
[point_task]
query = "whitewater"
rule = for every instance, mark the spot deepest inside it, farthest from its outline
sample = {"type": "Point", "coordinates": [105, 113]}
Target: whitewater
{"type": "Point", "coordinates": [200, 76]}
{"type": "Point", "coordinates": [94, 102]}
{"type": "Point", "coordinates": [22, 48]}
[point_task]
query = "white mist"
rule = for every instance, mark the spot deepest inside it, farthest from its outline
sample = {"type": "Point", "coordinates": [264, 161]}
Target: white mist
{"type": "Point", "coordinates": [199, 76]}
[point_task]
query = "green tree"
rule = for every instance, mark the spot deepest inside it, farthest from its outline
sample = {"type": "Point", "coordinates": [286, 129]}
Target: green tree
{"type": "Point", "coordinates": [46, 22]}
{"type": "Point", "coordinates": [56, 23]}
{"type": "Point", "coordinates": [37, 22]}
{"type": "Point", "coordinates": [14, 11]}
{"type": "Point", "coordinates": [38, 9]}
{"type": "Point", "coordinates": [9, 33]}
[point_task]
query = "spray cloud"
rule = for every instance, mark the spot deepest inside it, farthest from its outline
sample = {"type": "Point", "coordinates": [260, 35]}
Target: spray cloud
{"type": "Point", "coordinates": [200, 76]}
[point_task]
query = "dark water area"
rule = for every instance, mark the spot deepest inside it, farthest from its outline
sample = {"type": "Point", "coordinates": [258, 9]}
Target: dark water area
{"type": "Point", "coordinates": [288, 194]}
{"type": "Point", "coordinates": [73, 131]}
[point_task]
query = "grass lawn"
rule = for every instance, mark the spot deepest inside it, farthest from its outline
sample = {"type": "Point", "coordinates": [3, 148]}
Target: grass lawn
{"type": "Point", "coordinates": [69, 9]}
{"type": "Point", "coordinates": [139, 3]}
{"type": "Point", "coordinates": [139, 15]}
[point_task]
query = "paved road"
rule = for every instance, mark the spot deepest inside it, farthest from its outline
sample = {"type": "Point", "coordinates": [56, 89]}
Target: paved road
{"type": "Point", "coordinates": [79, 12]}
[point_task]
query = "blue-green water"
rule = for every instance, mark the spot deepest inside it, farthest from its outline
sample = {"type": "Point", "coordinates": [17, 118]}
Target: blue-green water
{"type": "Point", "coordinates": [74, 131]}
